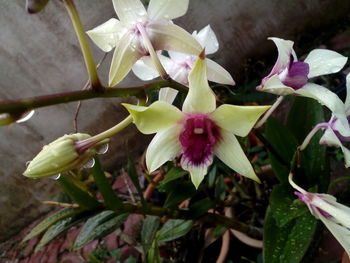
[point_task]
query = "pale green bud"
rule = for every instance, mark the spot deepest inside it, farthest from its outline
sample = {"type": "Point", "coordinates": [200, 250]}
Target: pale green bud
{"type": "Point", "coordinates": [61, 156]}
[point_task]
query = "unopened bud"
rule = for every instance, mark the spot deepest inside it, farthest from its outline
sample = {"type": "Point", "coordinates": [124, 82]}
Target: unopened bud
{"type": "Point", "coordinates": [35, 6]}
{"type": "Point", "coordinates": [61, 156]}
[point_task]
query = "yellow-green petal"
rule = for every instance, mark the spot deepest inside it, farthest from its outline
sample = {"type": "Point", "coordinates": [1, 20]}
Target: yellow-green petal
{"type": "Point", "coordinates": [200, 98]}
{"type": "Point", "coordinates": [164, 146]}
{"type": "Point", "coordinates": [158, 116]}
{"type": "Point", "coordinates": [237, 119]}
{"type": "Point", "coordinates": [230, 152]}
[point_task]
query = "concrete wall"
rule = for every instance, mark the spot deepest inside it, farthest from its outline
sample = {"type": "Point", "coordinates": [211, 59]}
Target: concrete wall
{"type": "Point", "coordinates": [39, 54]}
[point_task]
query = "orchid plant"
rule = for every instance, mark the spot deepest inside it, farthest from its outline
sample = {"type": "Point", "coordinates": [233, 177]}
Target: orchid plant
{"type": "Point", "coordinates": [198, 163]}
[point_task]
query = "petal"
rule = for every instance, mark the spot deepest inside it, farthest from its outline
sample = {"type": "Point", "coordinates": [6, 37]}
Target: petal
{"type": "Point", "coordinates": [342, 234]}
{"type": "Point", "coordinates": [200, 98]}
{"type": "Point", "coordinates": [168, 95]}
{"type": "Point", "coordinates": [324, 61]}
{"type": "Point", "coordinates": [329, 138]}
{"type": "Point", "coordinates": [329, 204]}
{"type": "Point", "coordinates": [285, 50]}
{"type": "Point", "coordinates": [164, 146]}
{"type": "Point", "coordinates": [142, 69]}
{"type": "Point", "coordinates": [230, 152]}
{"type": "Point", "coordinates": [207, 38]}
{"type": "Point", "coordinates": [125, 55]}
{"type": "Point", "coordinates": [177, 56]}
{"type": "Point", "coordinates": [218, 74]}
{"type": "Point", "coordinates": [237, 119]}
{"type": "Point", "coordinates": [197, 173]}
{"type": "Point", "coordinates": [167, 9]}
{"type": "Point", "coordinates": [158, 116]}
{"type": "Point", "coordinates": [325, 97]}
{"type": "Point", "coordinates": [130, 10]}
{"type": "Point", "coordinates": [275, 86]}
{"type": "Point", "coordinates": [106, 35]}
{"type": "Point", "coordinates": [172, 37]}
{"type": "Point", "coordinates": [347, 100]}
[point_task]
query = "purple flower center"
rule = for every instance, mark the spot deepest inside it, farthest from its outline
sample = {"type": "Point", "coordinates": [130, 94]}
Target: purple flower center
{"type": "Point", "coordinates": [198, 139]}
{"type": "Point", "coordinates": [296, 74]}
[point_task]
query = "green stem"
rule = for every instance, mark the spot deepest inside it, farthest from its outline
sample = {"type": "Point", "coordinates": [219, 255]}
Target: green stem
{"type": "Point", "coordinates": [84, 45]}
{"type": "Point", "coordinates": [209, 218]}
{"type": "Point", "coordinates": [23, 105]}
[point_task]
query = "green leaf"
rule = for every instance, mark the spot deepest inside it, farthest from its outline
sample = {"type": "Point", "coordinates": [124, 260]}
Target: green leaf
{"type": "Point", "coordinates": [135, 180]}
{"type": "Point", "coordinates": [98, 226]}
{"type": "Point", "coordinates": [220, 191]}
{"type": "Point", "coordinates": [212, 175]}
{"type": "Point", "coordinates": [47, 222]}
{"type": "Point", "coordinates": [111, 199]}
{"type": "Point", "coordinates": [304, 114]}
{"type": "Point", "coordinates": [149, 231]}
{"type": "Point", "coordinates": [289, 243]}
{"type": "Point", "coordinates": [153, 255]}
{"type": "Point", "coordinates": [178, 192]}
{"type": "Point", "coordinates": [173, 229]}
{"type": "Point", "coordinates": [173, 174]}
{"type": "Point", "coordinates": [284, 205]}
{"type": "Point", "coordinates": [201, 207]}
{"type": "Point", "coordinates": [284, 144]}
{"type": "Point", "coordinates": [79, 196]}
{"type": "Point", "coordinates": [219, 231]}
{"type": "Point", "coordinates": [57, 229]}
{"type": "Point", "coordinates": [299, 239]}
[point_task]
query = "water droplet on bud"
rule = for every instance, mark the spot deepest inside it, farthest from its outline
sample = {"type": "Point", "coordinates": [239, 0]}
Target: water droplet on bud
{"type": "Point", "coordinates": [103, 149]}
{"type": "Point", "coordinates": [26, 116]}
{"type": "Point", "coordinates": [55, 177]}
{"type": "Point", "coordinates": [90, 164]}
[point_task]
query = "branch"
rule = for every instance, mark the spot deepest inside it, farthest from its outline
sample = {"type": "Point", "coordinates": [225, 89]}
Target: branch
{"type": "Point", "coordinates": [210, 218]}
{"type": "Point", "coordinates": [23, 105]}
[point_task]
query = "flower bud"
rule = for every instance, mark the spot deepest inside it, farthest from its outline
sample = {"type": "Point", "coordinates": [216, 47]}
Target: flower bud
{"type": "Point", "coordinates": [61, 156]}
{"type": "Point", "coordinates": [35, 6]}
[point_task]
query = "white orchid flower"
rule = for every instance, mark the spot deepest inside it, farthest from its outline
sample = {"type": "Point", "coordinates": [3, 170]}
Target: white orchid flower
{"type": "Point", "coordinates": [335, 131]}
{"type": "Point", "coordinates": [325, 207]}
{"type": "Point", "coordinates": [178, 65]}
{"type": "Point", "coordinates": [139, 33]}
{"type": "Point", "coordinates": [290, 76]}
{"type": "Point", "coordinates": [198, 131]}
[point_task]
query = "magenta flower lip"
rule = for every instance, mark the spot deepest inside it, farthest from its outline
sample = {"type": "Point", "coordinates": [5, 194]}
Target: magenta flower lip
{"type": "Point", "coordinates": [198, 139]}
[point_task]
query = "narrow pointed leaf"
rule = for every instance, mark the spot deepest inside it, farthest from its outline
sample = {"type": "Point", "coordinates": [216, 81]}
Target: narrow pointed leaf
{"type": "Point", "coordinates": [111, 199]}
{"type": "Point", "coordinates": [97, 227]}
{"type": "Point", "coordinates": [173, 229]}
{"type": "Point", "coordinates": [149, 231]}
{"type": "Point", "coordinates": [79, 196]}
{"type": "Point", "coordinates": [47, 222]}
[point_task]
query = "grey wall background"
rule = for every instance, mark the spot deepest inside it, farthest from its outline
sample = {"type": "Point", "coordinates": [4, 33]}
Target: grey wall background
{"type": "Point", "coordinates": [39, 54]}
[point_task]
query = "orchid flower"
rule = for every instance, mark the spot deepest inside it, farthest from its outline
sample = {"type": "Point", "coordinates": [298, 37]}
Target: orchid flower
{"type": "Point", "coordinates": [198, 131]}
{"type": "Point", "coordinates": [139, 33]}
{"type": "Point", "coordinates": [335, 216]}
{"type": "Point", "coordinates": [335, 132]}
{"type": "Point", "coordinates": [178, 65]}
{"type": "Point", "coordinates": [290, 76]}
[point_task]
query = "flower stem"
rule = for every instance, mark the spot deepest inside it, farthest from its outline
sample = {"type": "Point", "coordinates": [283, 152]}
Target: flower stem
{"type": "Point", "coordinates": [84, 45]}
{"type": "Point", "coordinates": [311, 134]}
{"type": "Point", "coordinates": [147, 42]}
{"type": "Point", "coordinates": [269, 112]}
